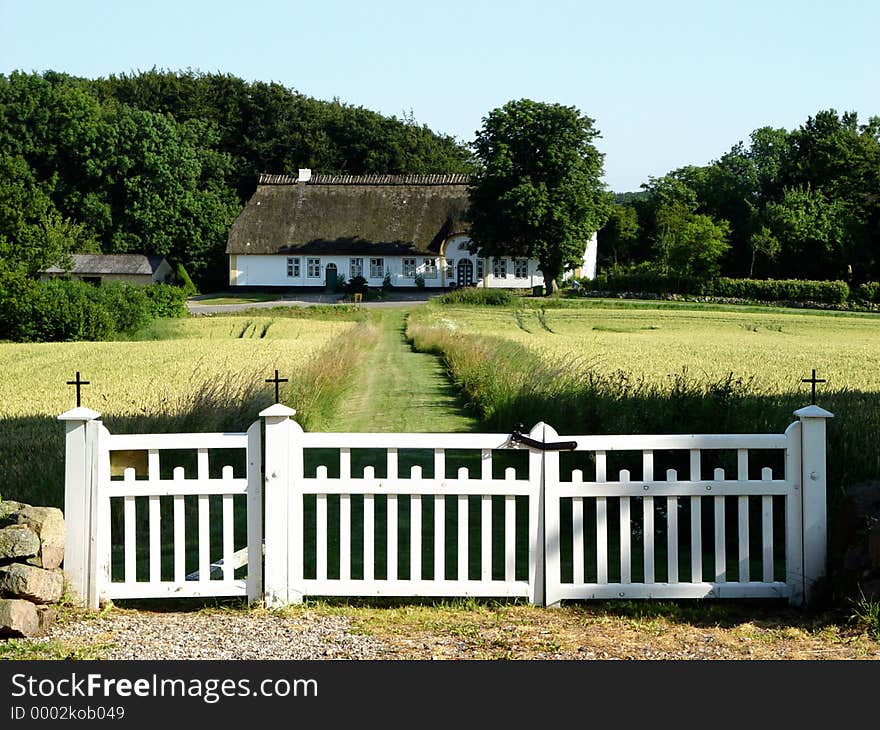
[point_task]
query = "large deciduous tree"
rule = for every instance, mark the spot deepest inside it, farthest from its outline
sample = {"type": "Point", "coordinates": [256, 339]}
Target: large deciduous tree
{"type": "Point", "coordinates": [537, 193]}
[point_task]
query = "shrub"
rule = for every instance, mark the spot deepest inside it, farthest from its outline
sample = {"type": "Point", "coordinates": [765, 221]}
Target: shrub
{"type": "Point", "coordinates": [356, 285]}
{"type": "Point", "coordinates": [869, 292]}
{"type": "Point", "coordinates": [64, 311]}
{"type": "Point", "coordinates": [420, 281]}
{"type": "Point", "coordinates": [129, 306]}
{"type": "Point", "coordinates": [490, 297]}
{"type": "Point", "coordinates": [166, 300]}
{"type": "Point", "coordinates": [184, 282]}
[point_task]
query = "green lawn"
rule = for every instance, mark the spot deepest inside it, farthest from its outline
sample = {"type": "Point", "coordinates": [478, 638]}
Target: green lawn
{"type": "Point", "coordinates": [400, 390]}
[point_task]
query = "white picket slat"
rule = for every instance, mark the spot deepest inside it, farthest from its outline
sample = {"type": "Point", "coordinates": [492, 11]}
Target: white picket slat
{"type": "Point", "coordinates": [486, 539]}
{"type": "Point", "coordinates": [577, 516]}
{"type": "Point", "coordinates": [439, 537]}
{"type": "Point", "coordinates": [345, 537]}
{"type": "Point", "coordinates": [601, 540]}
{"type": "Point", "coordinates": [369, 537]}
{"type": "Point", "coordinates": [228, 538]}
{"type": "Point", "coordinates": [155, 518]}
{"type": "Point", "coordinates": [391, 552]}
{"type": "Point", "coordinates": [462, 572]}
{"type": "Point", "coordinates": [415, 540]}
{"type": "Point", "coordinates": [509, 538]}
{"type": "Point", "coordinates": [672, 539]}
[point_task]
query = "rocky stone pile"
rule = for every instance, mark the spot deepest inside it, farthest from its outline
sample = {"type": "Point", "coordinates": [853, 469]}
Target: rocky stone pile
{"type": "Point", "coordinates": [31, 581]}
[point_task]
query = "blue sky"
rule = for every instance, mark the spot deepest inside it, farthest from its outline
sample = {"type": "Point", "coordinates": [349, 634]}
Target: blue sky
{"type": "Point", "coordinates": [667, 83]}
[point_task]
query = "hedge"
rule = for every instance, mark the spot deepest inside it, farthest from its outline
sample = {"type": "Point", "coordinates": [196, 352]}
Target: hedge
{"type": "Point", "coordinates": [61, 310]}
{"type": "Point", "coordinates": [767, 290]}
{"type": "Point", "coordinates": [781, 290]}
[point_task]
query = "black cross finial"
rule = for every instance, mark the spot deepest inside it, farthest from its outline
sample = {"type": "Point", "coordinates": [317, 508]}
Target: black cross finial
{"type": "Point", "coordinates": [813, 380]}
{"type": "Point", "coordinates": [277, 381]}
{"type": "Point", "coordinates": [78, 383]}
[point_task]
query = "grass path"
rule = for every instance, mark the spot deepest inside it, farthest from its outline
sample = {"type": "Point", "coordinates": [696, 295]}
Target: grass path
{"type": "Point", "coordinates": [400, 390]}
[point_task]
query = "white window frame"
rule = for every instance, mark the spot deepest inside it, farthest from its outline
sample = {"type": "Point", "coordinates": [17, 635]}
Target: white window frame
{"type": "Point", "coordinates": [377, 264]}
{"type": "Point", "coordinates": [355, 267]}
{"type": "Point", "coordinates": [293, 269]}
{"type": "Point", "coordinates": [409, 268]}
{"type": "Point", "coordinates": [430, 268]}
{"type": "Point", "coordinates": [520, 268]}
{"type": "Point", "coordinates": [499, 267]}
{"type": "Point", "coordinates": [480, 269]}
{"type": "Point", "coordinates": [313, 268]}
{"type": "Point", "coordinates": [450, 269]}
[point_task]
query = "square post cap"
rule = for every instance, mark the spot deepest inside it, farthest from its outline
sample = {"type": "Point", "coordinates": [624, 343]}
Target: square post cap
{"type": "Point", "coordinates": [80, 413]}
{"type": "Point", "coordinates": [278, 410]}
{"type": "Point", "coordinates": [813, 412]}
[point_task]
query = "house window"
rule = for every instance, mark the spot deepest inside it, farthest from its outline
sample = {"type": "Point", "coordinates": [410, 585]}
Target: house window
{"type": "Point", "coordinates": [293, 267]}
{"type": "Point", "coordinates": [521, 268]}
{"type": "Point", "coordinates": [409, 268]}
{"type": "Point", "coordinates": [499, 268]}
{"type": "Point", "coordinates": [449, 272]}
{"type": "Point", "coordinates": [355, 267]}
{"type": "Point", "coordinates": [377, 268]}
{"type": "Point", "coordinates": [430, 268]}
{"type": "Point", "coordinates": [480, 269]}
{"type": "Point", "coordinates": [313, 268]}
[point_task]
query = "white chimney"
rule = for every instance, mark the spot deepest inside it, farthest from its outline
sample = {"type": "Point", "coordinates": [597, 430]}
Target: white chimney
{"type": "Point", "coordinates": [305, 174]}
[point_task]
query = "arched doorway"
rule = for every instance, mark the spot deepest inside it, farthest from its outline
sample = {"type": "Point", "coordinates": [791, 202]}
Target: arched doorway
{"type": "Point", "coordinates": [330, 277]}
{"type": "Point", "coordinates": [465, 273]}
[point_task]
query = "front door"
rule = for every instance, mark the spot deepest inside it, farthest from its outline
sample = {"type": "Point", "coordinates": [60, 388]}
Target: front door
{"type": "Point", "coordinates": [330, 277]}
{"type": "Point", "coordinates": [465, 273]}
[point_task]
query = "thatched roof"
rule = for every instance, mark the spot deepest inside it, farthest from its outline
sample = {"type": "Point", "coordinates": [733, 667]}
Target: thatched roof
{"type": "Point", "coordinates": [87, 264]}
{"type": "Point", "coordinates": [348, 214]}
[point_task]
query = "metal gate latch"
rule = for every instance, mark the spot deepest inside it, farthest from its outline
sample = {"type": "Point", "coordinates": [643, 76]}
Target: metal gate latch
{"type": "Point", "coordinates": [520, 437]}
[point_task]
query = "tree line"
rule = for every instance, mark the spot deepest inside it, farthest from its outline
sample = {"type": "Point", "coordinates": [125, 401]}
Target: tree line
{"type": "Point", "coordinates": [800, 204]}
{"type": "Point", "coordinates": [160, 162]}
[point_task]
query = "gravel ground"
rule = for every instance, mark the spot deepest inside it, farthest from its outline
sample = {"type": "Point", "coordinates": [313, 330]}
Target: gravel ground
{"type": "Point", "coordinates": [217, 635]}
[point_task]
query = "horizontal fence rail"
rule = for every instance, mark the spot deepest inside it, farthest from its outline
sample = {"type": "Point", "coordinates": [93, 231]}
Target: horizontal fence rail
{"type": "Point", "coordinates": [443, 515]}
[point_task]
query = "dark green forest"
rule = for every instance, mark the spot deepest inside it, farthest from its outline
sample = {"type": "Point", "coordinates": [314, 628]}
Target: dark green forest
{"type": "Point", "coordinates": [161, 162]}
{"type": "Point", "coordinates": [800, 204]}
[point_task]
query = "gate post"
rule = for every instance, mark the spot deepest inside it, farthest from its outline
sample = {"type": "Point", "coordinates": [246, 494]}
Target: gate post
{"type": "Point", "coordinates": [552, 519]}
{"type": "Point", "coordinates": [537, 506]}
{"type": "Point", "coordinates": [813, 494]}
{"type": "Point", "coordinates": [281, 529]}
{"type": "Point", "coordinates": [82, 428]}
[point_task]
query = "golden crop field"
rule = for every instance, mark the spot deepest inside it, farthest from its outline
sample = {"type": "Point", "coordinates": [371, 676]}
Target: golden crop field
{"type": "Point", "coordinates": [132, 378]}
{"type": "Point", "coordinates": [776, 347]}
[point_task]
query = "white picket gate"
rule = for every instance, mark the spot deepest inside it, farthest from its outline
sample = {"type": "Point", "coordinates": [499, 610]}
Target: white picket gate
{"type": "Point", "coordinates": [157, 566]}
{"type": "Point", "coordinates": [534, 530]}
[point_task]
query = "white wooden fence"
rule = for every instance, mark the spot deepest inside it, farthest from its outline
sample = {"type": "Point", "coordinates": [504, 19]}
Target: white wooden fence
{"type": "Point", "coordinates": [538, 530]}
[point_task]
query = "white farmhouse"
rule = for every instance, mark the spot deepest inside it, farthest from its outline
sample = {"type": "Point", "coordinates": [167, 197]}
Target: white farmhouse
{"type": "Point", "coordinates": [310, 230]}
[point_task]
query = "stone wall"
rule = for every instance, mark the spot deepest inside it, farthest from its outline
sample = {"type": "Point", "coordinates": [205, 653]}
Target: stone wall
{"type": "Point", "coordinates": [31, 580]}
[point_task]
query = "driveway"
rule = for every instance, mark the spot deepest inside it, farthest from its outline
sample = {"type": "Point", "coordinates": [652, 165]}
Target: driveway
{"type": "Point", "coordinates": [305, 299]}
